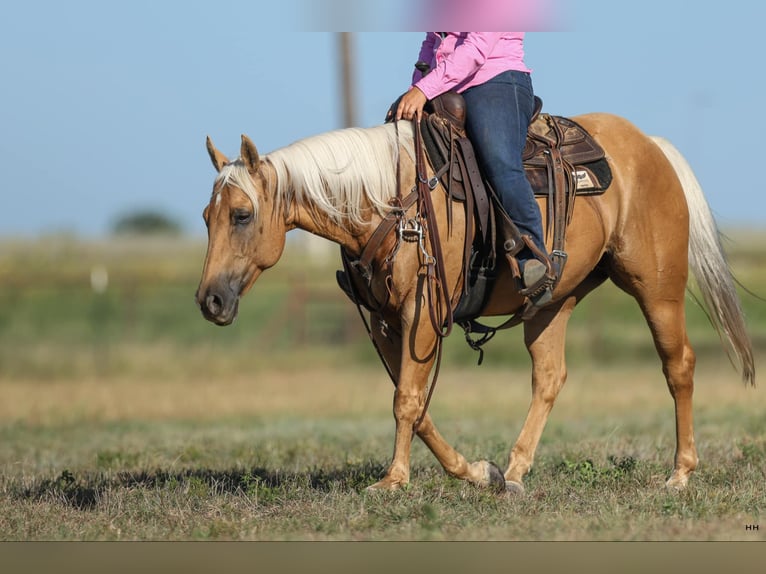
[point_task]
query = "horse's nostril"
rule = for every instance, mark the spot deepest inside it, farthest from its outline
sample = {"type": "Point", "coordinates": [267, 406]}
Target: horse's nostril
{"type": "Point", "coordinates": [214, 303]}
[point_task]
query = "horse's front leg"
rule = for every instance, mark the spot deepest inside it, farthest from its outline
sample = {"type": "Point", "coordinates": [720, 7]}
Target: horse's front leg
{"type": "Point", "coordinates": [417, 345]}
{"type": "Point", "coordinates": [480, 473]}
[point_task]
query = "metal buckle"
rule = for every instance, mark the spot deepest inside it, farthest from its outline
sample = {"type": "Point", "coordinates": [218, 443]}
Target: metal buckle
{"type": "Point", "coordinates": [432, 183]}
{"type": "Point", "coordinates": [560, 254]}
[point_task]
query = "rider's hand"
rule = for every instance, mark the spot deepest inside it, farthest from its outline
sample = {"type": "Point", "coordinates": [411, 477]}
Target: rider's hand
{"type": "Point", "coordinates": [411, 105]}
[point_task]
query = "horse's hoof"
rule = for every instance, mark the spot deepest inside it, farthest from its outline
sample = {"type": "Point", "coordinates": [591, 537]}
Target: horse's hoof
{"type": "Point", "coordinates": [514, 488]}
{"type": "Point", "coordinates": [383, 486]}
{"type": "Point", "coordinates": [496, 479]}
{"type": "Point", "coordinates": [676, 484]}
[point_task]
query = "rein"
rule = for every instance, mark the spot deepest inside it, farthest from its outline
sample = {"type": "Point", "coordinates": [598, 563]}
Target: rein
{"type": "Point", "coordinates": [436, 273]}
{"type": "Point", "coordinates": [434, 262]}
{"type": "Point", "coordinates": [414, 229]}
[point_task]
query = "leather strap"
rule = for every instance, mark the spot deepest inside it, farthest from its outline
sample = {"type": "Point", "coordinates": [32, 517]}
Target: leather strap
{"type": "Point", "coordinates": [364, 263]}
{"type": "Point", "coordinates": [564, 188]}
{"type": "Point", "coordinates": [478, 189]}
{"type": "Point", "coordinates": [436, 271]}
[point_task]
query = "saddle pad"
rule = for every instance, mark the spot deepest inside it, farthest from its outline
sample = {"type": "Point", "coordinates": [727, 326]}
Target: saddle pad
{"type": "Point", "coordinates": [592, 178]}
{"type": "Point", "coordinates": [579, 150]}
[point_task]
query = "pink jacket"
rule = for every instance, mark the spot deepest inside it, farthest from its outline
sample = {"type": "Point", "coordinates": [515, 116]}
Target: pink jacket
{"type": "Point", "coordinates": [465, 59]}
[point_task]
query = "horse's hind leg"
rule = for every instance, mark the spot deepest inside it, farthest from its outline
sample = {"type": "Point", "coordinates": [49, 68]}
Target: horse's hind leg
{"type": "Point", "coordinates": [481, 473]}
{"type": "Point", "coordinates": [667, 322]}
{"type": "Point", "coordinates": [657, 279]}
{"type": "Point", "coordinates": [661, 297]}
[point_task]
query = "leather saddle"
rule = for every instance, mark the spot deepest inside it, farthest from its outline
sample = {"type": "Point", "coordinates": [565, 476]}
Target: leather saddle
{"type": "Point", "coordinates": [446, 121]}
{"type": "Point", "coordinates": [561, 160]}
{"type": "Point", "coordinates": [578, 149]}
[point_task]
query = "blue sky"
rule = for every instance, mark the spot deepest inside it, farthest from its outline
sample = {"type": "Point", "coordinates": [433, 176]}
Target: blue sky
{"type": "Point", "coordinates": [105, 106]}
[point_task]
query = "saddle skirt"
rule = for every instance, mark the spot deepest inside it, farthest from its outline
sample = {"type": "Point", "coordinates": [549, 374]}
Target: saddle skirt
{"type": "Point", "coordinates": [590, 170]}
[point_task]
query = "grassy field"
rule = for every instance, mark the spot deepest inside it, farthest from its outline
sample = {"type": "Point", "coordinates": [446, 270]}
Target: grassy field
{"type": "Point", "coordinates": [125, 416]}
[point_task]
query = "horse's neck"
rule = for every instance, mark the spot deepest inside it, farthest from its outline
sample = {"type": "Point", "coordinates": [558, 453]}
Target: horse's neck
{"type": "Point", "coordinates": [317, 223]}
{"type": "Point", "coordinates": [353, 237]}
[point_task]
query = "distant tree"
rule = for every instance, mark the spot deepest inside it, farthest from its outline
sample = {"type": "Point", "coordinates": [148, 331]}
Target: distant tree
{"type": "Point", "coordinates": [145, 222]}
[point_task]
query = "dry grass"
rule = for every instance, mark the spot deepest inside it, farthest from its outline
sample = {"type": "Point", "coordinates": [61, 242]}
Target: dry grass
{"type": "Point", "coordinates": [323, 392]}
{"type": "Point", "coordinates": [286, 456]}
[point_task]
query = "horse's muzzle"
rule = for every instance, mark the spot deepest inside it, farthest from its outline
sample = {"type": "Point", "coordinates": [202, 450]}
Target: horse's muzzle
{"type": "Point", "coordinates": [218, 303]}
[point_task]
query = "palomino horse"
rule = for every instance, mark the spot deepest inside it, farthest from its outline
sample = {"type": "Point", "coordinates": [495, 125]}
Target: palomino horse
{"type": "Point", "coordinates": [644, 233]}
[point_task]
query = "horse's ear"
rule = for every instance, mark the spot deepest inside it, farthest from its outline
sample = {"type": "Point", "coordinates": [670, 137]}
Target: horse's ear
{"type": "Point", "coordinates": [249, 154]}
{"type": "Point", "coordinates": [219, 160]}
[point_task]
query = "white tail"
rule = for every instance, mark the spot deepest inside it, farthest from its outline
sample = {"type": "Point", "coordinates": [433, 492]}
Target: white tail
{"type": "Point", "coordinates": [709, 267]}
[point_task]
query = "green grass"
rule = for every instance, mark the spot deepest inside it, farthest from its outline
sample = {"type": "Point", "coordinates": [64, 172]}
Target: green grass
{"type": "Point", "coordinates": [53, 324]}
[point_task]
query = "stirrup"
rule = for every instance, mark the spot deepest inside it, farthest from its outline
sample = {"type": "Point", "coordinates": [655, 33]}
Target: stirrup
{"type": "Point", "coordinates": [540, 294]}
{"type": "Point", "coordinates": [534, 281]}
{"type": "Point", "coordinates": [533, 305]}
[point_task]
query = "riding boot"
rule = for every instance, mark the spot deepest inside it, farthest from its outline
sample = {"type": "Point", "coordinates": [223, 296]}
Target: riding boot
{"type": "Point", "coordinates": [533, 273]}
{"type": "Point", "coordinates": [538, 273]}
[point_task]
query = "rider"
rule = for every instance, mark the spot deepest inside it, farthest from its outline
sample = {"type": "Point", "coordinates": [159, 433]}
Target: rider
{"type": "Point", "coordinates": [488, 69]}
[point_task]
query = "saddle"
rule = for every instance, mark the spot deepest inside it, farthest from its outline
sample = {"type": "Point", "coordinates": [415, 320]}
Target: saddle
{"type": "Point", "coordinates": [446, 121]}
{"type": "Point", "coordinates": [561, 161]}
{"type": "Point", "coordinates": [590, 169]}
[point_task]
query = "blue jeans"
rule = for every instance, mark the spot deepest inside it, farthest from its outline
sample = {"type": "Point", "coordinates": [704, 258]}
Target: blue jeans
{"type": "Point", "coordinates": [497, 118]}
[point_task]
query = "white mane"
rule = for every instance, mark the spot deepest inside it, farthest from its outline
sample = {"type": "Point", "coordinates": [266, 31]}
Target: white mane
{"type": "Point", "coordinates": [338, 174]}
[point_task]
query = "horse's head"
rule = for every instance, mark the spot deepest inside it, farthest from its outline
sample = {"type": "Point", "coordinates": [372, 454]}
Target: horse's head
{"type": "Point", "coordinates": [246, 232]}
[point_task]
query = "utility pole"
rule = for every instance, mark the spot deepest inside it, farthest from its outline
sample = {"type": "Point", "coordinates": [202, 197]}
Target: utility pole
{"type": "Point", "coordinates": [348, 102]}
{"type": "Point", "coordinates": [318, 249]}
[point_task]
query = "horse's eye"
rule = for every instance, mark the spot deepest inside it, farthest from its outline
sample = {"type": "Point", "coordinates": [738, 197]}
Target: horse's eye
{"type": "Point", "coordinates": [241, 217]}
